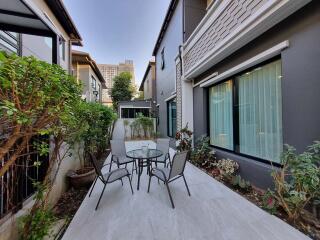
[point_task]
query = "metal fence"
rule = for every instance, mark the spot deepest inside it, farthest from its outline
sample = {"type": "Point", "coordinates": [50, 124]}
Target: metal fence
{"type": "Point", "coordinates": [17, 183]}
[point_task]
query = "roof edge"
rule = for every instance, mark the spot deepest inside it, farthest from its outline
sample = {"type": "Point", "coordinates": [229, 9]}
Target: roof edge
{"type": "Point", "coordinates": [164, 26]}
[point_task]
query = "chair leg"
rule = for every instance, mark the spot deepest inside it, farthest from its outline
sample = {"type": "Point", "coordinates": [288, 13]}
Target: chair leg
{"type": "Point", "coordinates": [101, 195]}
{"type": "Point", "coordinates": [130, 184]}
{"type": "Point", "coordinates": [121, 178]}
{"type": "Point", "coordinates": [94, 183]}
{"type": "Point", "coordinates": [110, 166]}
{"type": "Point", "coordinates": [185, 182]}
{"type": "Point", "coordinates": [150, 176]}
{"type": "Point", "coordinates": [167, 184]}
{"type": "Point", "coordinates": [132, 170]}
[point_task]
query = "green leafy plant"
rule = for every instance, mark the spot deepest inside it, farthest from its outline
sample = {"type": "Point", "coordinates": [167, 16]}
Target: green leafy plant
{"type": "Point", "coordinates": [203, 155]}
{"type": "Point", "coordinates": [239, 182]}
{"type": "Point", "coordinates": [144, 124]}
{"type": "Point", "coordinates": [33, 97]}
{"type": "Point", "coordinates": [37, 223]}
{"type": "Point", "coordinates": [184, 138]}
{"type": "Point", "coordinates": [297, 183]}
{"type": "Point", "coordinates": [122, 89]}
{"type": "Point", "coordinates": [97, 120]}
{"type": "Point", "coordinates": [269, 202]}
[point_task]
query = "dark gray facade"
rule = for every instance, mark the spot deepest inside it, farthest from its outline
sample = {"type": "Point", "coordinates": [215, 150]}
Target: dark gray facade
{"type": "Point", "coordinates": [165, 78]}
{"type": "Point", "coordinates": [300, 86]}
{"type": "Point", "coordinates": [185, 17]}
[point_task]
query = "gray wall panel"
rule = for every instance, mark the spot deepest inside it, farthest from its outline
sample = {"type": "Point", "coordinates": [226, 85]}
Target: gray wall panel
{"type": "Point", "coordinates": [165, 78]}
{"type": "Point", "coordinates": [300, 84]}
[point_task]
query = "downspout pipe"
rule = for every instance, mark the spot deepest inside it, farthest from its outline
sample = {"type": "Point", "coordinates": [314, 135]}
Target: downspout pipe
{"type": "Point", "coordinates": [180, 58]}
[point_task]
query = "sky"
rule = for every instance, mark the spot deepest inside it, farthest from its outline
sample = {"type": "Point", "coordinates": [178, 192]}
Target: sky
{"type": "Point", "coordinates": [115, 30]}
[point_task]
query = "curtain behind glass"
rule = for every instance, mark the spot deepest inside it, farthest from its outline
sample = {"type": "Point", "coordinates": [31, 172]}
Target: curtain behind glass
{"type": "Point", "coordinates": [220, 104]}
{"type": "Point", "coordinates": [260, 112]}
{"type": "Point", "coordinates": [172, 118]}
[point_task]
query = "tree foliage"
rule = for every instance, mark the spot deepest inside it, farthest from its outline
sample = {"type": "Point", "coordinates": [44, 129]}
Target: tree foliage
{"type": "Point", "coordinates": [122, 89]}
{"type": "Point", "coordinates": [33, 97]}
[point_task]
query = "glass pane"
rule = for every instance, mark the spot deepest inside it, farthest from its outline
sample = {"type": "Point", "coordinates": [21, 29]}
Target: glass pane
{"type": "Point", "coordinates": [260, 112]}
{"type": "Point", "coordinates": [220, 104]}
{"type": "Point", "coordinates": [172, 118]}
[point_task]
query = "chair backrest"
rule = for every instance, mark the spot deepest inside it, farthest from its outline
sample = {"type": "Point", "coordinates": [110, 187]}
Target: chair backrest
{"type": "Point", "coordinates": [163, 145]}
{"type": "Point", "coordinates": [178, 164]}
{"type": "Point", "coordinates": [95, 164]}
{"type": "Point", "coordinates": [118, 148]}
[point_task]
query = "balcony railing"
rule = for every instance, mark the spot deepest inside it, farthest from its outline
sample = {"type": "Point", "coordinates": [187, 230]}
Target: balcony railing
{"type": "Point", "coordinates": [228, 26]}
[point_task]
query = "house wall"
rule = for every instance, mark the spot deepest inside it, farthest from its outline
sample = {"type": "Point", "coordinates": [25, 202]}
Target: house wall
{"type": "Point", "coordinates": [83, 73]}
{"type": "Point", "coordinates": [165, 78]}
{"type": "Point", "coordinates": [41, 47]}
{"type": "Point", "coordinates": [194, 10]}
{"type": "Point", "coordinates": [147, 85]}
{"type": "Point", "coordinates": [300, 85]}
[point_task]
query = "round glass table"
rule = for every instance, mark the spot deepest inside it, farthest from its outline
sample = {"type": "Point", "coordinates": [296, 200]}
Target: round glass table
{"type": "Point", "coordinates": [143, 156]}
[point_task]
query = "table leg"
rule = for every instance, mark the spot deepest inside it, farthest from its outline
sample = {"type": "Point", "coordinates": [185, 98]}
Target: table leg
{"type": "Point", "coordinates": [139, 172]}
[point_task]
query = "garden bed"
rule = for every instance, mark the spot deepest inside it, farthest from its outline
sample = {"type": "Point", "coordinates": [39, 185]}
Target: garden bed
{"type": "Point", "coordinates": [308, 224]}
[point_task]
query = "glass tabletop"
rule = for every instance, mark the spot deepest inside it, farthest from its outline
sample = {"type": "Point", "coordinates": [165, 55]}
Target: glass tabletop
{"type": "Point", "coordinates": [144, 153]}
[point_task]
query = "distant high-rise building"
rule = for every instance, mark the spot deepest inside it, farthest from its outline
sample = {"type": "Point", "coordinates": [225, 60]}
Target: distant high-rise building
{"type": "Point", "coordinates": [109, 71]}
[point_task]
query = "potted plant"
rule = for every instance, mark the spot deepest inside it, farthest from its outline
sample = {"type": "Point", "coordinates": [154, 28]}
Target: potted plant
{"type": "Point", "coordinates": [96, 120]}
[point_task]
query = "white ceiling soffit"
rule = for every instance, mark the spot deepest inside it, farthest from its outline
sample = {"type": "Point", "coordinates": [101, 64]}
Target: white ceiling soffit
{"type": "Point", "coordinates": [24, 14]}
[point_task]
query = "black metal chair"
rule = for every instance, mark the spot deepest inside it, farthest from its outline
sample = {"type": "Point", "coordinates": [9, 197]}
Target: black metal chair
{"type": "Point", "coordinates": [109, 177]}
{"type": "Point", "coordinates": [168, 175]}
{"type": "Point", "coordinates": [118, 151]}
{"type": "Point", "coordinates": [162, 145]}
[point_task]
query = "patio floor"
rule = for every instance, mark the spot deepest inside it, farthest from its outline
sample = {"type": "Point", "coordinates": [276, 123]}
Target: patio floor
{"type": "Point", "coordinates": [212, 212]}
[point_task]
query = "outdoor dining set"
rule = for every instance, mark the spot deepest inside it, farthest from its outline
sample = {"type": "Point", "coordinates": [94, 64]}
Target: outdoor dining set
{"type": "Point", "coordinates": [157, 162]}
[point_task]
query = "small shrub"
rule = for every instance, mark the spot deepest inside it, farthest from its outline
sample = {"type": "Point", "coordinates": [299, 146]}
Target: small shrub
{"type": "Point", "coordinates": [184, 138]}
{"type": "Point", "coordinates": [269, 203]}
{"type": "Point", "coordinates": [203, 155]}
{"type": "Point", "coordinates": [297, 183]}
{"type": "Point", "coordinates": [36, 225]}
{"type": "Point", "coordinates": [239, 182]}
{"type": "Point", "coordinates": [227, 167]}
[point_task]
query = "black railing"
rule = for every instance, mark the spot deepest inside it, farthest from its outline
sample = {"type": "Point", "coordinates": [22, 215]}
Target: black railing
{"type": "Point", "coordinates": [17, 183]}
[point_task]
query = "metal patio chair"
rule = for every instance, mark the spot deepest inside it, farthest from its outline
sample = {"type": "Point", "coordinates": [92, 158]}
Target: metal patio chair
{"type": "Point", "coordinates": [107, 178]}
{"type": "Point", "coordinates": [118, 155]}
{"type": "Point", "coordinates": [168, 175]}
{"type": "Point", "coordinates": [162, 144]}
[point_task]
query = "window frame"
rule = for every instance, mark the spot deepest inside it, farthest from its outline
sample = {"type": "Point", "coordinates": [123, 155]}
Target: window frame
{"type": "Point", "coordinates": [168, 103]}
{"type": "Point", "coordinates": [235, 113]}
{"type": "Point", "coordinates": [163, 64]}
{"type": "Point", "coordinates": [62, 48]}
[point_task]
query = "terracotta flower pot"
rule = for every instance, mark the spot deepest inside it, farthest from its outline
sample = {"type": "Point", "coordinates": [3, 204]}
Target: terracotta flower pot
{"type": "Point", "coordinates": [82, 177]}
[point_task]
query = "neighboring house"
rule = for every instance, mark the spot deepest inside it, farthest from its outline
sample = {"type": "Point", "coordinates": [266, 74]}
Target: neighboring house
{"type": "Point", "coordinates": [148, 85]}
{"type": "Point", "coordinates": [131, 109]}
{"type": "Point", "coordinates": [86, 70]}
{"type": "Point", "coordinates": [109, 71]}
{"type": "Point", "coordinates": [180, 20]}
{"type": "Point", "coordinates": [51, 43]}
{"type": "Point", "coordinates": [249, 79]}
{"type": "Point", "coordinates": [44, 29]}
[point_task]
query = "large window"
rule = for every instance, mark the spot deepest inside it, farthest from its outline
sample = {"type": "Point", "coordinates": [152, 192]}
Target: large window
{"type": "Point", "coordinates": [221, 130]}
{"type": "Point", "coordinates": [260, 113]}
{"type": "Point", "coordinates": [247, 118]}
{"type": "Point", "coordinates": [172, 118]}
